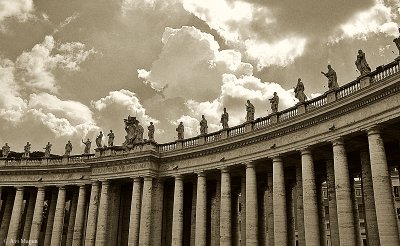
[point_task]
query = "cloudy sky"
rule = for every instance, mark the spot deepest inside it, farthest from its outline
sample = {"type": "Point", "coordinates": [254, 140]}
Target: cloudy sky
{"type": "Point", "coordinates": [69, 69]}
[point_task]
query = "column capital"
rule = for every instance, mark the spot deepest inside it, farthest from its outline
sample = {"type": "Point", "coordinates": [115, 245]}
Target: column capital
{"type": "Point", "coordinates": [147, 178]}
{"type": "Point", "coordinates": [337, 141]}
{"type": "Point", "coordinates": [374, 130]}
{"type": "Point", "coordinates": [305, 150]}
{"type": "Point", "coordinates": [19, 188]}
{"type": "Point", "coordinates": [224, 169]}
{"type": "Point", "coordinates": [105, 182]}
{"type": "Point", "coordinates": [250, 164]}
{"type": "Point", "coordinates": [201, 174]}
{"type": "Point", "coordinates": [178, 177]}
{"type": "Point", "coordinates": [95, 183]}
{"type": "Point", "coordinates": [82, 186]}
{"type": "Point", "coordinates": [61, 187]}
{"type": "Point", "coordinates": [41, 188]}
{"type": "Point", "coordinates": [137, 179]}
{"type": "Point", "coordinates": [276, 158]}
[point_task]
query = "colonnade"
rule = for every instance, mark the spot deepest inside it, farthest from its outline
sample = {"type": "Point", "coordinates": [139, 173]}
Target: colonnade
{"type": "Point", "coordinates": [260, 208]}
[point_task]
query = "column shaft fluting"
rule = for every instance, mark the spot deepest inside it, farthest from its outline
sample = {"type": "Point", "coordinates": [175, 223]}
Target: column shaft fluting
{"type": "Point", "coordinates": [16, 214]}
{"type": "Point", "coordinates": [177, 214]}
{"type": "Point", "coordinates": [136, 203]}
{"type": "Point", "coordinates": [145, 214]}
{"type": "Point", "coordinates": [201, 211]}
{"type": "Point", "coordinates": [321, 212]}
{"type": "Point", "coordinates": [57, 232]}
{"type": "Point", "coordinates": [157, 212]}
{"type": "Point", "coordinates": [299, 207]}
{"type": "Point", "coordinates": [279, 202]}
{"type": "Point", "coordinates": [251, 205]}
{"type": "Point", "coordinates": [290, 214]}
{"type": "Point", "coordinates": [80, 217]}
{"type": "Point", "coordinates": [333, 219]}
{"type": "Point", "coordinates": [72, 216]}
{"type": "Point", "coordinates": [385, 212]}
{"type": "Point", "coordinates": [92, 215]}
{"type": "Point", "coordinates": [29, 216]}
{"type": "Point", "coordinates": [226, 209]}
{"type": "Point", "coordinates": [270, 210]}
{"type": "Point", "coordinates": [101, 231]}
{"type": "Point", "coordinates": [357, 230]}
{"type": "Point", "coordinates": [37, 217]}
{"type": "Point", "coordinates": [5, 222]}
{"type": "Point", "coordinates": [50, 218]}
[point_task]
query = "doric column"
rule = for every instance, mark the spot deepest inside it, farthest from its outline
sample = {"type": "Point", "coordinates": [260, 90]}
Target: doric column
{"type": "Point", "coordinates": [321, 211]}
{"type": "Point", "coordinates": [136, 204]}
{"type": "Point", "coordinates": [251, 205]}
{"type": "Point", "coordinates": [145, 215]}
{"type": "Point", "coordinates": [333, 219]}
{"type": "Point", "coordinates": [72, 216]}
{"type": "Point", "coordinates": [177, 218]}
{"type": "Point", "coordinates": [193, 215]}
{"type": "Point", "coordinates": [101, 231]}
{"type": "Point", "coordinates": [225, 210]}
{"type": "Point", "coordinates": [371, 224]}
{"type": "Point", "coordinates": [157, 212]}
{"type": "Point", "coordinates": [201, 210]}
{"type": "Point", "coordinates": [29, 216]}
{"type": "Point", "coordinates": [57, 232]}
{"type": "Point", "coordinates": [385, 213]}
{"type": "Point", "coordinates": [80, 217]}
{"type": "Point", "coordinates": [92, 215]}
{"type": "Point", "coordinates": [270, 210]}
{"type": "Point", "coordinates": [310, 203]}
{"type": "Point", "coordinates": [50, 218]}
{"type": "Point", "coordinates": [291, 230]}
{"type": "Point", "coordinates": [279, 201]}
{"type": "Point", "coordinates": [242, 212]}
{"type": "Point", "coordinates": [299, 207]}
{"type": "Point", "coordinates": [215, 222]}
{"type": "Point", "coordinates": [37, 217]}
{"type": "Point", "coordinates": [343, 195]}
{"type": "Point", "coordinates": [5, 222]}
{"type": "Point", "coordinates": [357, 230]}
{"type": "Point", "coordinates": [15, 216]}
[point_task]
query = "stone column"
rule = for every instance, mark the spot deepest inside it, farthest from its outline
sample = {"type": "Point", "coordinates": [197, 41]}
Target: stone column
{"type": "Point", "coordinates": [201, 210]}
{"type": "Point", "coordinates": [134, 221]}
{"type": "Point", "coordinates": [145, 216]}
{"type": "Point", "coordinates": [57, 232]}
{"type": "Point", "coordinates": [15, 216]}
{"type": "Point", "coordinates": [333, 219]}
{"type": "Point", "coordinates": [92, 215]}
{"type": "Point", "coordinates": [217, 214]}
{"type": "Point", "coordinates": [343, 195]}
{"type": "Point", "coordinates": [50, 218]}
{"type": "Point", "coordinates": [225, 210]}
{"type": "Point", "coordinates": [321, 211]}
{"type": "Point", "coordinates": [80, 217]}
{"type": "Point", "coordinates": [357, 230]}
{"type": "Point", "coordinates": [381, 180]}
{"type": "Point", "coordinates": [37, 217]}
{"type": "Point", "coordinates": [279, 202]}
{"type": "Point", "coordinates": [29, 216]}
{"type": "Point", "coordinates": [310, 203]}
{"type": "Point", "coordinates": [251, 205]}
{"type": "Point", "coordinates": [270, 210]}
{"type": "Point", "coordinates": [243, 211]}
{"type": "Point", "coordinates": [72, 216]}
{"type": "Point", "coordinates": [157, 212]}
{"type": "Point", "coordinates": [291, 230]}
{"type": "Point", "coordinates": [101, 231]}
{"type": "Point", "coordinates": [371, 224]}
{"type": "Point", "coordinates": [299, 207]}
{"type": "Point", "coordinates": [193, 215]}
{"type": "Point", "coordinates": [5, 223]}
{"type": "Point", "coordinates": [177, 217]}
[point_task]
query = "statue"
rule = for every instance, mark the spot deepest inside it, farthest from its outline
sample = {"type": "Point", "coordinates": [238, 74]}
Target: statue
{"type": "Point", "coordinates": [274, 102]}
{"type": "Point", "coordinates": [5, 150]}
{"type": "Point", "coordinates": [110, 138]}
{"type": "Point", "coordinates": [362, 64]}
{"type": "Point", "coordinates": [180, 129]}
{"type": "Point", "coordinates": [27, 150]}
{"type": "Point", "coordinates": [134, 132]}
{"type": "Point", "coordinates": [397, 42]}
{"type": "Point", "coordinates": [68, 148]}
{"type": "Point", "coordinates": [151, 129]}
{"type": "Point", "coordinates": [299, 91]}
{"type": "Point", "coordinates": [203, 126]}
{"type": "Point", "coordinates": [225, 119]}
{"type": "Point", "coordinates": [250, 111]}
{"type": "Point", "coordinates": [99, 139]}
{"type": "Point", "coordinates": [332, 78]}
{"type": "Point", "coordinates": [47, 150]}
{"type": "Point", "coordinates": [140, 132]}
{"type": "Point", "coordinates": [87, 144]}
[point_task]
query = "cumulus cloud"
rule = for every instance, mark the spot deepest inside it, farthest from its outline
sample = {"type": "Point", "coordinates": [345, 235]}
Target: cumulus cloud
{"type": "Point", "coordinates": [191, 125]}
{"type": "Point", "coordinates": [21, 10]}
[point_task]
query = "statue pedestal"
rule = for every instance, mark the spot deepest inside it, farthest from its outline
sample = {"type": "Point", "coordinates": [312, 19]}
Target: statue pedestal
{"type": "Point", "coordinates": [331, 96]}
{"type": "Point", "coordinates": [365, 81]}
{"type": "Point", "coordinates": [3, 162]}
{"type": "Point", "coordinates": [65, 159]}
{"type": "Point", "coordinates": [248, 127]}
{"type": "Point", "coordinates": [179, 144]}
{"type": "Point", "coordinates": [224, 134]}
{"type": "Point", "coordinates": [301, 108]}
{"type": "Point", "coordinates": [202, 139]}
{"type": "Point", "coordinates": [97, 152]}
{"type": "Point", "coordinates": [150, 145]}
{"type": "Point", "coordinates": [274, 118]}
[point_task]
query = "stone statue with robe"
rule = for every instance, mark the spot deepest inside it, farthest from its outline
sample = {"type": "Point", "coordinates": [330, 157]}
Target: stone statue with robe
{"type": "Point", "coordinates": [5, 150]}
{"type": "Point", "coordinates": [299, 91]}
{"type": "Point", "coordinates": [203, 126]}
{"type": "Point", "coordinates": [250, 111]}
{"type": "Point", "coordinates": [361, 63]}
{"type": "Point", "coordinates": [332, 78]}
{"type": "Point", "coordinates": [99, 139]}
{"type": "Point", "coordinates": [47, 150]}
{"type": "Point", "coordinates": [151, 130]}
{"type": "Point", "coordinates": [87, 144]}
{"type": "Point", "coordinates": [111, 137]}
{"type": "Point", "coordinates": [180, 129]}
{"type": "Point", "coordinates": [225, 119]}
{"type": "Point", "coordinates": [274, 103]}
{"type": "Point", "coordinates": [27, 150]}
{"type": "Point", "coordinates": [68, 148]}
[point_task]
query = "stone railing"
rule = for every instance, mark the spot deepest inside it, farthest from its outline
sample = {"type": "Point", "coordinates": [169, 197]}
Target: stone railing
{"type": "Point", "coordinates": [52, 161]}
{"type": "Point", "coordinates": [287, 113]}
{"type": "Point", "coordinates": [348, 89]}
{"type": "Point", "coordinates": [236, 130]}
{"type": "Point", "coordinates": [385, 71]}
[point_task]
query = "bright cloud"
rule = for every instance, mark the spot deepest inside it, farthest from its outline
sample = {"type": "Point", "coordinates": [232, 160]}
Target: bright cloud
{"type": "Point", "coordinates": [191, 125]}
{"type": "Point", "coordinates": [19, 9]}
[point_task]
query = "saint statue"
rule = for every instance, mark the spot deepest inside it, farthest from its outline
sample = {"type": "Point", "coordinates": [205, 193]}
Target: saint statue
{"type": "Point", "coordinates": [180, 129]}
{"type": "Point", "coordinates": [134, 132]}
{"type": "Point", "coordinates": [47, 150]}
{"type": "Point", "coordinates": [203, 126]}
{"type": "Point", "coordinates": [299, 91]}
{"type": "Point", "coordinates": [274, 102]}
{"type": "Point", "coordinates": [151, 130]}
{"type": "Point", "coordinates": [99, 139]}
{"type": "Point", "coordinates": [68, 148]}
{"type": "Point", "coordinates": [225, 119]}
{"type": "Point", "coordinates": [361, 63]}
{"type": "Point", "coordinates": [397, 42]}
{"type": "Point", "coordinates": [250, 111]}
{"type": "Point", "coordinates": [140, 132]}
{"type": "Point", "coordinates": [27, 150]}
{"type": "Point", "coordinates": [110, 138]}
{"type": "Point", "coordinates": [5, 150]}
{"type": "Point", "coordinates": [87, 144]}
{"type": "Point", "coordinates": [332, 78]}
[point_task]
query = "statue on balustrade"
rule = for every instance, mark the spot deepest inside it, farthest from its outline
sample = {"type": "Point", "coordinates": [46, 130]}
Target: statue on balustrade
{"type": "Point", "coordinates": [180, 129]}
{"type": "Point", "coordinates": [27, 150]}
{"type": "Point", "coordinates": [87, 144]}
{"type": "Point", "coordinates": [397, 42]}
{"type": "Point", "coordinates": [5, 150]}
{"type": "Point", "coordinates": [68, 148]}
{"type": "Point", "coordinates": [299, 91]}
{"type": "Point", "coordinates": [47, 150]}
{"type": "Point", "coordinates": [250, 111]}
{"type": "Point", "coordinates": [225, 119]}
{"type": "Point", "coordinates": [111, 137]}
{"type": "Point", "coordinates": [134, 132]}
{"type": "Point", "coordinates": [361, 63]}
{"type": "Point", "coordinates": [151, 130]}
{"type": "Point", "coordinates": [332, 78]}
{"type": "Point", "coordinates": [203, 126]}
{"type": "Point", "coordinates": [274, 102]}
{"type": "Point", "coordinates": [99, 139]}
